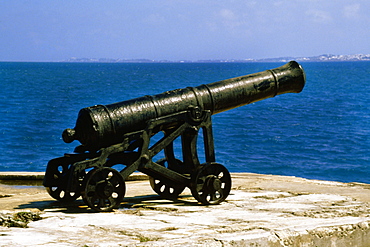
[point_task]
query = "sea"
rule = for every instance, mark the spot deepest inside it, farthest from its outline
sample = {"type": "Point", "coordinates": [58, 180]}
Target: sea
{"type": "Point", "coordinates": [321, 133]}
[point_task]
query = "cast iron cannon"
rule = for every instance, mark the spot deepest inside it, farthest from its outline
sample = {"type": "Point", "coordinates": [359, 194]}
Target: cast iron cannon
{"type": "Point", "coordinates": [123, 134]}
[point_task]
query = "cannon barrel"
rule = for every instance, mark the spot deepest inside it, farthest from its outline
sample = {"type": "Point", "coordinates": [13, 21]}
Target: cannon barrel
{"type": "Point", "coordinates": [104, 125]}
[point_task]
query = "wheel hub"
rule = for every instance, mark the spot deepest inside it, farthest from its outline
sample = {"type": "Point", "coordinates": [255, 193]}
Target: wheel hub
{"type": "Point", "coordinates": [104, 189]}
{"type": "Point", "coordinates": [213, 183]}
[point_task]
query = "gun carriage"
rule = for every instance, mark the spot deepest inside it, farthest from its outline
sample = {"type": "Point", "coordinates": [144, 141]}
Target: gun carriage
{"type": "Point", "coordinates": [122, 134]}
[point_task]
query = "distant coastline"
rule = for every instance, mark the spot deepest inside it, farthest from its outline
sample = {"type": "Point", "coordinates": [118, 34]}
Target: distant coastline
{"type": "Point", "coordinates": [320, 58]}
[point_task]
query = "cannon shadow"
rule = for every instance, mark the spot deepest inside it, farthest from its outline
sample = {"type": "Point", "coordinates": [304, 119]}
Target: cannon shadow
{"type": "Point", "coordinates": [151, 202]}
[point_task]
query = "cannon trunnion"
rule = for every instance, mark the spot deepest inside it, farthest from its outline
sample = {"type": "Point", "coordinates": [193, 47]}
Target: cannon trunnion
{"type": "Point", "coordinates": [122, 134]}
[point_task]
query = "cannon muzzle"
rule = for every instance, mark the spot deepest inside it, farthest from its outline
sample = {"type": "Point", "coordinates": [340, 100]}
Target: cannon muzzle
{"type": "Point", "coordinates": [104, 125]}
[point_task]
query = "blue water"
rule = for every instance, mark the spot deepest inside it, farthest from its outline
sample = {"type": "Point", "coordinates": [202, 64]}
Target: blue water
{"type": "Point", "coordinates": [321, 133]}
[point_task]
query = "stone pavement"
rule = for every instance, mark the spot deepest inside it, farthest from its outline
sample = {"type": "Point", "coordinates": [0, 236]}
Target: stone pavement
{"type": "Point", "coordinates": [262, 210]}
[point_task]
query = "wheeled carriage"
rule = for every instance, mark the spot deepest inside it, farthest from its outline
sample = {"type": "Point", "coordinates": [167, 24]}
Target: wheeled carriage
{"type": "Point", "coordinates": [123, 134]}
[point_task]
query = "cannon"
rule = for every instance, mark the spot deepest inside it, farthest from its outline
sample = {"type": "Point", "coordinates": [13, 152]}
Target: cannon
{"type": "Point", "coordinates": [123, 135]}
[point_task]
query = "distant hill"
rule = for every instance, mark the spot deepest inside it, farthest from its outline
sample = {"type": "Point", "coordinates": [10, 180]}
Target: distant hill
{"type": "Point", "coordinates": [320, 58]}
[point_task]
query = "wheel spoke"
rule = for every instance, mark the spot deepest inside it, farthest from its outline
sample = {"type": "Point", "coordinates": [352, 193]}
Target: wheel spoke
{"type": "Point", "coordinates": [203, 196]}
{"type": "Point", "coordinates": [101, 203]}
{"type": "Point", "coordinates": [111, 201]}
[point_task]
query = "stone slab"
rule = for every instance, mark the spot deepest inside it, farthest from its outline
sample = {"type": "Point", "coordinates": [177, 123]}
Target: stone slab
{"type": "Point", "coordinates": [262, 210]}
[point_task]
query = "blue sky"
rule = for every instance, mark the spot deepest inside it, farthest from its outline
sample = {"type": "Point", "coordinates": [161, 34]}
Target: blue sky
{"type": "Point", "coordinates": [44, 30]}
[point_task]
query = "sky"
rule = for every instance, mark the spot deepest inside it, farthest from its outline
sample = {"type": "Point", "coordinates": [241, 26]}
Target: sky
{"type": "Point", "coordinates": [44, 30]}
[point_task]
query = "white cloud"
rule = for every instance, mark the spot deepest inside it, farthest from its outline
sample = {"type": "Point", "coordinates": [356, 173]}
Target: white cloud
{"type": "Point", "coordinates": [351, 11]}
{"type": "Point", "coordinates": [319, 16]}
{"type": "Point", "coordinates": [227, 14]}
{"type": "Point", "coordinates": [229, 19]}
